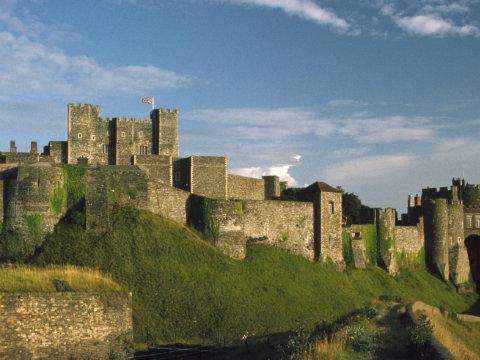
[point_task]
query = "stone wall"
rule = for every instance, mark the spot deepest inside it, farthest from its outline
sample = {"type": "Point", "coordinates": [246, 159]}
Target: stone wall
{"type": "Point", "coordinates": [66, 325]}
{"type": "Point", "coordinates": [272, 186]}
{"type": "Point", "coordinates": [158, 167]}
{"type": "Point", "coordinates": [245, 188]}
{"type": "Point", "coordinates": [182, 173]}
{"type": "Point", "coordinates": [209, 176]}
{"type": "Point", "coordinates": [58, 150]}
{"type": "Point", "coordinates": [109, 186]}
{"type": "Point", "coordinates": [18, 158]}
{"type": "Point", "coordinates": [285, 224]}
{"type": "Point", "coordinates": [34, 202]}
{"type": "Point", "coordinates": [168, 202]}
{"type": "Point", "coordinates": [409, 239]}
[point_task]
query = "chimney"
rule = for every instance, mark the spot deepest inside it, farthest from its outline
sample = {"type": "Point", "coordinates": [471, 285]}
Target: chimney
{"type": "Point", "coordinates": [418, 200]}
{"type": "Point", "coordinates": [411, 201]}
{"type": "Point", "coordinates": [33, 147]}
{"type": "Point", "coordinates": [13, 148]}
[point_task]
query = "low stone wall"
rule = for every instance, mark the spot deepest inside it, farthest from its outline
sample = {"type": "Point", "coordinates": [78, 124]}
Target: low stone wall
{"type": "Point", "coordinates": [65, 326]}
{"type": "Point", "coordinates": [245, 188]}
{"type": "Point", "coordinates": [408, 239]}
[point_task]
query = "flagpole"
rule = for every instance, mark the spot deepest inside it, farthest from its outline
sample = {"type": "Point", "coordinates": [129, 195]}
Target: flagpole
{"type": "Point", "coordinates": [153, 103]}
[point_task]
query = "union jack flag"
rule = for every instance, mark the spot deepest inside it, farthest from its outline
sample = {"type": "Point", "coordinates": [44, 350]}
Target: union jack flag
{"type": "Point", "coordinates": [147, 100]}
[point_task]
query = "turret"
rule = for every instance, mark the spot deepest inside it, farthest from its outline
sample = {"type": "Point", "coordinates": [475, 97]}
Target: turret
{"type": "Point", "coordinates": [165, 132]}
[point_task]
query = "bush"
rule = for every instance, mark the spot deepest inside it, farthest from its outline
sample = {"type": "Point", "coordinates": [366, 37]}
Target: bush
{"type": "Point", "coordinates": [421, 333]}
{"type": "Point", "coordinates": [359, 339]}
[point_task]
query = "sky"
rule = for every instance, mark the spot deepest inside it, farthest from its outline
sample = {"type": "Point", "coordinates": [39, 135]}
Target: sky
{"type": "Point", "coordinates": [379, 97]}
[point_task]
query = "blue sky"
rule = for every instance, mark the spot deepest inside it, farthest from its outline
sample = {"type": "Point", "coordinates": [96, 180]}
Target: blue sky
{"type": "Point", "coordinates": [379, 97]}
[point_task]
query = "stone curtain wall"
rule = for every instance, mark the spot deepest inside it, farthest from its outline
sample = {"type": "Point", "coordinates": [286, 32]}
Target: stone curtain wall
{"type": "Point", "coordinates": [19, 158]}
{"type": "Point", "coordinates": [108, 186]}
{"type": "Point", "coordinates": [209, 176]}
{"type": "Point", "coordinates": [245, 188]}
{"type": "Point", "coordinates": [159, 168]}
{"type": "Point", "coordinates": [58, 151]}
{"type": "Point", "coordinates": [34, 202]}
{"type": "Point", "coordinates": [408, 239]}
{"type": "Point", "coordinates": [168, 202]}
{"type": "Point", "coordinates": [285, 224]}
{"type": "Point", "coordinates": [65, 326]}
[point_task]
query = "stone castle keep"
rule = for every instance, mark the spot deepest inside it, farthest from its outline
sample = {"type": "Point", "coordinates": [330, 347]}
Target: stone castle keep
{"type": "Point", "coordinates": [124, 161]}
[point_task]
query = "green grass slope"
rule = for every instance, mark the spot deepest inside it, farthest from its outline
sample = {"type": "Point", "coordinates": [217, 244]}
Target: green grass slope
{"type": "Point", "coordinates": [185, 291]}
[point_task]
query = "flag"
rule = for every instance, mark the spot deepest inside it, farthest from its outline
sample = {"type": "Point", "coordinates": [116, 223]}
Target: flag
{"type": "Point", "coordinates": [147, 101]}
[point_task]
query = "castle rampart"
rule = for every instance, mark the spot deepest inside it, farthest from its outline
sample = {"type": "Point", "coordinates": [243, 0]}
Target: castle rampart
{"type": "Point", "coordinates": [245, 188]}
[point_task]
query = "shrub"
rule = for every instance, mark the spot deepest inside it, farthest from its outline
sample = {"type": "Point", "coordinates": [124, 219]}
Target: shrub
{"type": "Point", "coordinates": [421, 333]}
{"type": "Point", "coordinates": [359, 339]}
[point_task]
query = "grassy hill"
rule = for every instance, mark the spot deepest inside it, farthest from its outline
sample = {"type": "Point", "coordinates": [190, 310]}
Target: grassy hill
{"type": "Point", "coordinates": [185, 291]}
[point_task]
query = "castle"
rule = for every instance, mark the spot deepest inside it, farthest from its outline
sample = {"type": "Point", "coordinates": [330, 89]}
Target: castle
{"type": "Point", "coordinates": [122, 161]}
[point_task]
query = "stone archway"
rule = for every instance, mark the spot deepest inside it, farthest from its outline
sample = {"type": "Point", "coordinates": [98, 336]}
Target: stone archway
{"type": "Point", "coordinates": [472, 243]}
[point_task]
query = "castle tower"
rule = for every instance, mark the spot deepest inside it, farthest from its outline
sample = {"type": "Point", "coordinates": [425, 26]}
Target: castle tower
{"type": "Point", "coordinates": [33, 147]}
{"type": "Point", "coordinates": [272, 187]}
{"type": "Point", "coordinates": [13, 147]}
{"type": "Point", "coordinates": [88, 136]}
{"type": "Point", "coordinates": [165, 132]}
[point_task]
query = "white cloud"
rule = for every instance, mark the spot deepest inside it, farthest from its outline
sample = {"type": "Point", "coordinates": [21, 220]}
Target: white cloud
{"type": "Point", "coordinates": [297, 157]}
{"type": "Point", "coordinates": [346, 103]}
{"type": "Point", "coordinates": [364, 169]}
{"type": "Point", "coordinates": [281, 170]}
{"type": "Point", "coordinates": [350, 152]}
{"type": "Point", "coordinates": [429, 21]}
{"type": "Point", "coordinates": [31, 65]}
{"type": "Point", "coordinates": [306, 9]}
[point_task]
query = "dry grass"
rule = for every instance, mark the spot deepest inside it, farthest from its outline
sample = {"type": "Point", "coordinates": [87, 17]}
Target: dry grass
{"type": "Point", "coordinates": [455, 343]}
{"type": "Point", "coordinates": [31, 279]}
{"type": "Point", "coordinates": [325, 349]}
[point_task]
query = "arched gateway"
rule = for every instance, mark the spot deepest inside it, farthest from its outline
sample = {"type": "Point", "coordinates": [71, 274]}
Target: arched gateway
{"type": "Point", "coordinates": [472, 242]}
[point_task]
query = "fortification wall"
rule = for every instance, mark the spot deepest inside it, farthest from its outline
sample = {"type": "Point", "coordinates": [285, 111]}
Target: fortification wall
{"type": "Point", "coordinates": [168, 202]}
{"type": "Point", "coordinates": [18, 158]}
{"type": "Point", "coordinates": [182, 173]}
{"type": "Point", "coordinates": [159, 168]}
{"type": "Point", "coordinates": [385, 220]}
{"type": "Point", "coordinates": [285, 224]}
{"type": "Point", "coordinates": [439, 245]}
{"type": "Point", "coordinates": [331, 227]}
{"type": "Point", "coordinates": [65, 326]}
{"type": "Point", "coordinates": [58, 151]}
{"type": "Point", "coordinates": [245, 188]}
{"type": "Point", "coordinates": [272, 186]}
{"type": "Point", "coordinates": [408, 239]}
{"type": "Point", "coordinates": [209, 176]}
{"type": "Point", "coordinates": [109, 186]}
{"type": "Point", "coordinates": [131, 135]}
{"type": "Point", "coordinates": [35, 201]}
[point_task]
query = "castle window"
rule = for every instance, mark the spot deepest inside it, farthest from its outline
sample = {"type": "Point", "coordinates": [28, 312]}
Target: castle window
{"type": "Point", "coordinates": [143, 150]}
{"type": "Point", "coordinates": [105, 149]}
{"type": "Point", "coordinates": [477, 221]}
{"type": "Point", "coordinates": [93, 137]}
{"type": "Point", "coordinates": [80, 135]}
{"type": "Point", "coordinates": [123, 134]}
{"type": "Point", "coordinates": [331, 206]}
{"type": "Point", "coordinates": [140, 134]}
{"type": "Point", "coordinates": [468, 223]}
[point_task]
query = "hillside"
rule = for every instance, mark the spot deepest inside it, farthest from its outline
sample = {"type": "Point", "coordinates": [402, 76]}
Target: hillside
{"type": "Point", "coordinates": [185, 291]}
